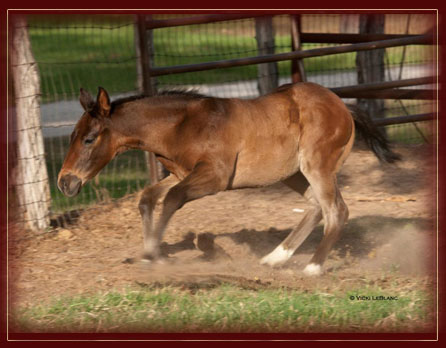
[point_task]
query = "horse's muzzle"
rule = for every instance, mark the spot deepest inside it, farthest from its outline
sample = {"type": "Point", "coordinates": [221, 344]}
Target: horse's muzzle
{"type": "Point", "coordinates": [70, 185]}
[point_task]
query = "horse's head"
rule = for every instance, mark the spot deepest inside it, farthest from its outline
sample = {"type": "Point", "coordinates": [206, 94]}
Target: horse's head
{"type": "Point", "coordinates": [91, 144]}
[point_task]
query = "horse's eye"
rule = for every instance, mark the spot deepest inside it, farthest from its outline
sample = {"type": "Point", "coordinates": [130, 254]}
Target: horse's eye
{"type": "Point", "coordinates": [89, 141]}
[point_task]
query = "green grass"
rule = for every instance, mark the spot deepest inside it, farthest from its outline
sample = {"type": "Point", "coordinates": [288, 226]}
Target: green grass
{"type": "Point", "coordinates": [227, 308]}
{"type": "Point", "coordinates": [74, 52]}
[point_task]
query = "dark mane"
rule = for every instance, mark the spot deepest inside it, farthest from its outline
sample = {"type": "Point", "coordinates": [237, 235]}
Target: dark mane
{"type": "Point", "coordinates": [189, 94]}
{"type": "Point", "coordinates": [124, 100]}
{"type": "Point", "coordinates": [182, 93]}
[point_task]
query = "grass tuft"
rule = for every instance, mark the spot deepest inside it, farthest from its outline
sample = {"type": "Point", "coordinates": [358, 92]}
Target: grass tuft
{"type": "Point", "coordinates": [227, 308]}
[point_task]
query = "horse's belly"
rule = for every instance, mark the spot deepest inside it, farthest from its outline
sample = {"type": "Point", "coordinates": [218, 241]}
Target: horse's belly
{"type": "Point", "coordinates": [265, 168]}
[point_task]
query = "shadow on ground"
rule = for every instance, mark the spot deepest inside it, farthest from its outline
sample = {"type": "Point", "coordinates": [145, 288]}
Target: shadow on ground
{"type": "Point", "coordinates": [405, 242]}
{"type": "Point", "coordinates": [359, 237]}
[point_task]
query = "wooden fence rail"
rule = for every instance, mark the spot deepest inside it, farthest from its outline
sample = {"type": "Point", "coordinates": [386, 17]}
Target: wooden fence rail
{"type": "Point", "coordinates": [329, 38]}
{"type": "Point", "coordinates": [381, 122]}
{"type": "Point", "coordinates": [199, 19]}
{"type": "Point", "coordinates": [392, 93]}
{"type": "Point", "coordinates": [268, 58]}
{"type": "Point", "coordinates": [387, 89]}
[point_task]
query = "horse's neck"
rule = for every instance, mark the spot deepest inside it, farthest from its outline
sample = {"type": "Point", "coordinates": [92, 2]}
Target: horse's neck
{"type": "Point", "coordinates": [147, 127]}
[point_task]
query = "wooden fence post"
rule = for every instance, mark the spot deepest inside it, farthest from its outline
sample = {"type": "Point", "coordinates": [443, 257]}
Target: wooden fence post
{"type": "Point", "coordinates": [32, 184]}
{"type": "Point", "coordinates": [297, 65]}
{"type": "Point", "coordinates": [144, 46]}
{"type": "Point", "coordinates": [370, 64]}
{"type": "Point", "coordinates": [268, 75]}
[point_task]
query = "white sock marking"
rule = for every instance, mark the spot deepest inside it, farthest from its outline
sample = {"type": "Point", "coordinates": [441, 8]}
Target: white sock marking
{"type": "Point", "coordinates": [313, 269]}
{"type": "Point", "coordinates": [150, 244]}
{"type": "Point", "coordinates": [277, 257]}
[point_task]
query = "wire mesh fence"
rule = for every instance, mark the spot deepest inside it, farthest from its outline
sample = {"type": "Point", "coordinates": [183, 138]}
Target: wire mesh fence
{"type": "Point", "coordinates": [84, 51]}
{"type": "Point", "coordinates": [88, 51]}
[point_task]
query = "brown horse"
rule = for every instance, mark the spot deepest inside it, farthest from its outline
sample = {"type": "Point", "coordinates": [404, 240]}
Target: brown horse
{"type": "Point", "coordinates": [300, 134]}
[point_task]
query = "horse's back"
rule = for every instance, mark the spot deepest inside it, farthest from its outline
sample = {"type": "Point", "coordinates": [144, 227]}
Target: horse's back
{"type": "Point", "coordinates": [309, 94]}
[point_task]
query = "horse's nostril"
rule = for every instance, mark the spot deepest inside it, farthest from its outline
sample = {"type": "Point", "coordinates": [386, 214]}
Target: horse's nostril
{"type": "Point", "coordinates": [70, 185]}
{"type": "Point", "coordinates": [63, 183]}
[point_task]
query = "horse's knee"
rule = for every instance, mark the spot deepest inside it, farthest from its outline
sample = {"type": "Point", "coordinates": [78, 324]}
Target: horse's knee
{"type": "Point", "coordinates": [143, 208]}
{"type": "Point", "coordinates": [339, 213]}
{"type": "Point", "coordinates": [148, 201]}
{"type": "Point", "coordinates": [144, 205]}
{"type": "Point", "coordinates": [175, 199]}
{"type": "Point", "coordinates": [335, 220]}
{"type": "Point", "coordinates": [343, 212]}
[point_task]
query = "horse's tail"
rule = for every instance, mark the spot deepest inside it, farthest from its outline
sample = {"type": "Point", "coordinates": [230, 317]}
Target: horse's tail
{"type": "Point", "coordinates": [372, 136]}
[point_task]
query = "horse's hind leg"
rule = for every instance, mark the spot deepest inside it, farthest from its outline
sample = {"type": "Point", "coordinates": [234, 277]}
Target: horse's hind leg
{"type": "Point", "coordinates": [335, 214]}
{"type": "Point", "coordinates": [147, 204]}
{"type": "Point", "coordinates": [327, 202]}
{"type": "Point", "coordinates": [311, 218]}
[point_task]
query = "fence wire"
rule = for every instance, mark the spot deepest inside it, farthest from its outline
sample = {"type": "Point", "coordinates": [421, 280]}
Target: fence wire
{"type": "Point", "coordinates": [88, 51]}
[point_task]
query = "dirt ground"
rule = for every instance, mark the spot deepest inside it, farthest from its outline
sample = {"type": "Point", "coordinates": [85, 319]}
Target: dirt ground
{"type": "Point", "coordinates": [390, 234]}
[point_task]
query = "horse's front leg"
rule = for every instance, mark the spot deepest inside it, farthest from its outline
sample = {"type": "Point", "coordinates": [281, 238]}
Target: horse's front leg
{"type": "Point", "coordinates": [149, 198]}
{"type": "Point", "coordinates": [205, 179]}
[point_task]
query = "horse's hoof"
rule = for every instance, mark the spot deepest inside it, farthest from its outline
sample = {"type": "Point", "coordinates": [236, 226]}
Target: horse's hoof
{"type": "Point", "coordinates": [146, 261]}
{"type": "Point", "coordinates": [129, 260]}
{"type": "Point", "coordinates": [150, 260]}
{"type": "Point", "coordinates": [313, 269]}
{"type": "Point", "coordinates": [277, 257]}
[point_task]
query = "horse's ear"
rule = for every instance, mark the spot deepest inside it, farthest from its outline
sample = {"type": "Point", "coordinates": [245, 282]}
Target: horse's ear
{"type": "Point", "coordinates": [86, 100]}
{"type": "Point", "coordinates": [103, 101]}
